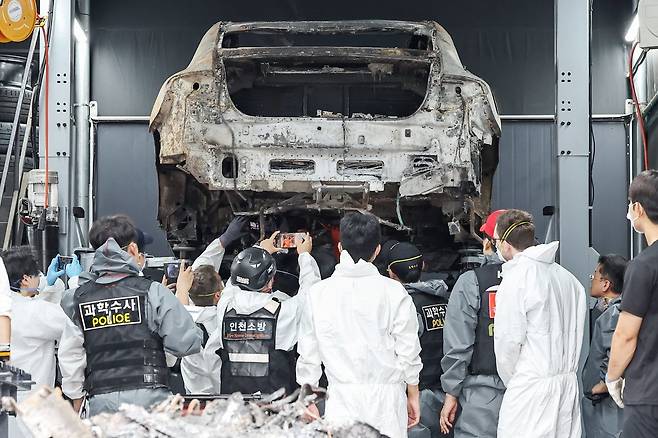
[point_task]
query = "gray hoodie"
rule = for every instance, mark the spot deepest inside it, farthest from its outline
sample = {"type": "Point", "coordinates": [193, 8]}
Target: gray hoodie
{"type": "Point", "coordinates": [166, 316]}
{"type": "Point", "coordinates": [459, 334]}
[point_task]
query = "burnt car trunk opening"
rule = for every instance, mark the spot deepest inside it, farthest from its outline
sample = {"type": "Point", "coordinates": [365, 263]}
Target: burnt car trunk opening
{"type": "Point", "coordinates": [263, 37]}
{"type": "Point", "coordinates": [309, 89]}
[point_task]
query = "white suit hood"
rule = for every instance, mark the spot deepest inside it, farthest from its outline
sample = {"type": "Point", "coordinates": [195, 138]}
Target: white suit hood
{"type": "Point", "coordinates": [347, 267]}
{"type": "Point", "coordinates": [202, 315]}
{"type": "Point", "coordinates": [539, 327]}
{"type": "Point", "coordinates": [246, 302]}
{"type": "Point", "coordinates": [544, 253]}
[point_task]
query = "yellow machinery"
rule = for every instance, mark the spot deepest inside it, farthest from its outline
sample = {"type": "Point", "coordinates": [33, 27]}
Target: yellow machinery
{"type": "Point", "coordinates": [17, 19]}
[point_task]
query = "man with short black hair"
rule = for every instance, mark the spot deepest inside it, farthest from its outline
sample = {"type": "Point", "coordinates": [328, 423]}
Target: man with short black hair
{"type": "Point", "coordinates": [540, 321]}
{"type": "Point", "coordinates": [601, 415]}
{"type": "Point", "coordinates": [635, 342]}
{"type": "Point", "coordinates": [405, 264]}
{"type": "Point", "coordinates": [206, 287]}
{"type": "Point", "coordinates": [36, 325]}
{"type": "Point", "coordinates": [362, 326]}
{"type": "Point", "coordinates": [118, 227]}
{"type": "Point", "coordinates": [121, 324]}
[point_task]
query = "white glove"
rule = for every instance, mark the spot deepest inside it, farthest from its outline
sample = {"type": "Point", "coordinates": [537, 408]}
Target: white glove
{"type": "Point", "coordinates": [616, 390]}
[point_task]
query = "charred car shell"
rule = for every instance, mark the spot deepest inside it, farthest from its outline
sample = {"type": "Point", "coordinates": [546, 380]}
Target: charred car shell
{"type": "Point", "coordinates": [270, 117]}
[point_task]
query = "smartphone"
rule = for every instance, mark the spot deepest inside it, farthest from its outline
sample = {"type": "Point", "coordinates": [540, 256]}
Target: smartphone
{"type": "Point", "coordinates": [172, 269]}
{"type": "Point", "coordinates": [287, 240]}
{"type": "Point", "coordinates": [596, 398]}
{"type": "Point", "coordinates": [62, 261]}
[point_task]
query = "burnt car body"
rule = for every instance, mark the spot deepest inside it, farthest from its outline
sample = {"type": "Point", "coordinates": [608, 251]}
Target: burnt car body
{"type": "Point", "coordinates": [311, 119]}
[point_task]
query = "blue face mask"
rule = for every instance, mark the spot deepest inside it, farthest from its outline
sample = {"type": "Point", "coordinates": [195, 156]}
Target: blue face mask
{"type": "Point", "coordinates": [43, 283]}
{"type": "Point", "coordinates": [34, 290]}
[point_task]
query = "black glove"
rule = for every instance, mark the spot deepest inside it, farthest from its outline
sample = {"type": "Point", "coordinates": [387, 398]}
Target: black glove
{"type": "Point", "coordinates": [234, 231]}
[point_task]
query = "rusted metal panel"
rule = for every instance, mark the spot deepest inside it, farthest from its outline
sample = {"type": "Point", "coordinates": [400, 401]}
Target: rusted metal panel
{"type": "Point", "coordinates": [437, 151]}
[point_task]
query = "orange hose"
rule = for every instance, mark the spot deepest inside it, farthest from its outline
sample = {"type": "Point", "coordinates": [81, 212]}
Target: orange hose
{"type": "Point", "coordinates": [640, 119]}
{"type": "Point", "coordinates": [46, 152]}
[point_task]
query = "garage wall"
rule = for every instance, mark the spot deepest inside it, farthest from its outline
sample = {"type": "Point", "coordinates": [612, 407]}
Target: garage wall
{"type": "Point", "coordinates": [527, 175]}
{"type": "Point", "coordinates": [125, 178]}
{"type": "Point", "coordinates": [135, 46]}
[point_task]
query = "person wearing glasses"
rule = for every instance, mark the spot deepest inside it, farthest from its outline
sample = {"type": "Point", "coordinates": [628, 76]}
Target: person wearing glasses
{"type": "Point", "coordinates": [602, 417]}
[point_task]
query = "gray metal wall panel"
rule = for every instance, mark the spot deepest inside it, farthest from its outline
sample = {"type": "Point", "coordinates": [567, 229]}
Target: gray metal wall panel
{"type": "Point", "coordinates": [527, 170]}
{"type": "Point", "coordinates": [135, 46]}
{"type": "Point", "coordinates": [610, 229]}
{"type": "Point", "coordinates": [125, 178]}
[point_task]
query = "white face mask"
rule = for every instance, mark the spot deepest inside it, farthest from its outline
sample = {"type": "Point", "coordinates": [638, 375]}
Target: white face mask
{"type": "Point", "coordinates": [630, 217]}
{"type": "Point", "coordinates": [499, 252]}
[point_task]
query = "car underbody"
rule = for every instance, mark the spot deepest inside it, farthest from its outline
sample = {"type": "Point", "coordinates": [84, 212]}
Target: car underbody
{"type": "Point", "coordinates": [295, 123]}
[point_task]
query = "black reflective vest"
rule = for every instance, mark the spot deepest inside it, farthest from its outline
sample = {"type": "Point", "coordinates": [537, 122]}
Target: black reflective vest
{"type": "Point", "coordinates": [432, 314]}
{"type": "Point", "coordinates": [250, 360]}
{"type": "Point", "coordinates": [122, 352]}
{"type": "Point", "coordinates": [483, 360]}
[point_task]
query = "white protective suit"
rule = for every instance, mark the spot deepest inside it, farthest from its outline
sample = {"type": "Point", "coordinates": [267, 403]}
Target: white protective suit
{"type": "Point", "coordinates": [5, 291]}
{"type": "Point", "coordinates": [53, 294]}
{"type": "Point", "coordinates": [246, 302]}
{"type": "Point", "coordinates": [196, 375]}
{"type": "Point", "coordinates": [194, 368]}
{"type": "Point", "coordinates": [36, 325]}
{"type": "Point", "coordinates": [363, 328]}
{"type": "Point", "coordinates": [540, 320]}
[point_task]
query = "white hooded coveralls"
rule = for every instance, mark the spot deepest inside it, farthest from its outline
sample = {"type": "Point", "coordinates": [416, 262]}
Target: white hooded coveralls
{"type": "Point", "coordinates": [363, 328]}
{"type": "Point", "coordinates": [539, 325]}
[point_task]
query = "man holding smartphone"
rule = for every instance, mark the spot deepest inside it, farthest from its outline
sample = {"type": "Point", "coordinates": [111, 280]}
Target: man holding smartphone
{"type": "Point", "coordinates": [251, 350]}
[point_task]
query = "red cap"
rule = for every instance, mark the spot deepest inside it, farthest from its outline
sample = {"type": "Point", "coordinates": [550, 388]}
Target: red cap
{"type": "Point", "coordinates": [489, 225]}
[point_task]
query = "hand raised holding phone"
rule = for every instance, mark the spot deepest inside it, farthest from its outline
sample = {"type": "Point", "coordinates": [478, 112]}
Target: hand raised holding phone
{"type": "Point", "coordinates": [279, 241]}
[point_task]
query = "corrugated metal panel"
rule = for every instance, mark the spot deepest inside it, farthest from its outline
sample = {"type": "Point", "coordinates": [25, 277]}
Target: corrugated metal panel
{"type": "Point", "coordinates": [527, 177]}
{"type": "Point", "coordinates": [527, 170]}
{"type": "Point", "coordinates": [611, 230]}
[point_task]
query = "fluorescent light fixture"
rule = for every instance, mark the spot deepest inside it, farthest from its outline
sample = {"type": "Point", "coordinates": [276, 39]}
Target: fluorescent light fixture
{"type": "Point", "coordinates": [631, 33]}
{"type": "Point", "coordinates": [79, 34]}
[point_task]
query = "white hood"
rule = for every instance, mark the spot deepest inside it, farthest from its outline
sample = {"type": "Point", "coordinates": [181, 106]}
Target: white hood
{"type": "Point", "coordinates": [543, 253]}
{"type": "Point", "coordinates": [202, 314]}
{"type": "Point", "coordinates": [347, 267]}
